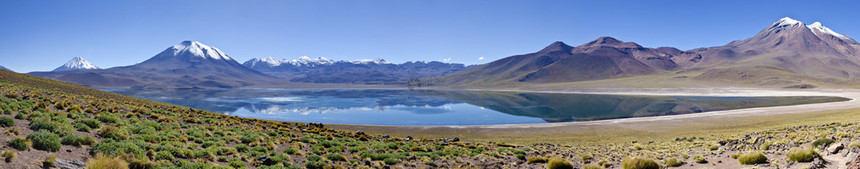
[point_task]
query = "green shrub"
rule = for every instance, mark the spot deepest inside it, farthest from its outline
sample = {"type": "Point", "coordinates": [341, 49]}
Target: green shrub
{"type": "Point", "coordinates": [236, 163]}
{"type": "Point", "coordinates": [113, 148]}
{"type": "Point", "coordinates": [391, 161]}
{"type": "Point", "coordinates": [37, 125]}
{"type": "Point", "coordinates": [113, 133]}
{"type": "Point", "coordinates": [107, 119]}
{"type": "Point", "coordinates": [335, 157]}
{"type": "Point", "coordinates": [77, 140]}
{"type": "Point", "coordinates": [557, 163]}
{"type": "Point", "coordinates": [639, 163]}
{"type": "Point", "coordinates": [315, 165]}
{"type": "Point", "coordinates": [314, 157]}
{"type": "Point", "coordinates": [92, 123]}
{"type": "Point", "coordinates": [672, 162]}
{"type": "Point", "coordinates": [163, 155]}
{"type": "Point", "coordinates": [801, 155]}
{"type": "Point", "coordinates": [822, 142]}
{"type": "Point", "coordinates": [752, 158]}
{"type": "Point", "coordinates": [536, 160]}
{"type": "Point", "coordinates": [20, 144]}
{"type": "Point", "coordinates": [521, 156]}
{"type": "Point", "coordinates": [82, 127]}
{"type": "Point", "coordinates": [45, 140]}
{"type": "Point", "coordinates": [7, 121]}
{"type": "Point", "coordinates": [241, 148]}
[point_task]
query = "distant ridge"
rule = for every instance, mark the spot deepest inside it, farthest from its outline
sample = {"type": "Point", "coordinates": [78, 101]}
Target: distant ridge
{"type": "Point", "coordinates": [787, 52]}
{"type": "Point", "coordinates": [364, 71]}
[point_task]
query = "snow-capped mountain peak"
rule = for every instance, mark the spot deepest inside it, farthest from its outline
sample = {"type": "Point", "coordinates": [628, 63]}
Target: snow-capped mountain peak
{"type": "Point", "coordinates": [368, 61]}
{"type": "Point", "coordinates": [786, 22]}
{"type": "Point", "coordinates": [817, 28]}
{"type": "Point", "coordinates": [305, 60]}
{"type": "Point", "coordinates": [200, 50]}
{"type": "Point", "coordinates": [77, 63]}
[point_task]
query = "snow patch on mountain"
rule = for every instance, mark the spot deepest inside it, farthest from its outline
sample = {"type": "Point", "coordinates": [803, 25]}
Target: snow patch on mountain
{"type": "Point", "coordinates": [200, 50]}
{"type": "Point", "coordinates": [77, 63]}
{"type": "Point", "coordinates": [307, 61]}
{"type": "Point", "coordinates": [820, 28]}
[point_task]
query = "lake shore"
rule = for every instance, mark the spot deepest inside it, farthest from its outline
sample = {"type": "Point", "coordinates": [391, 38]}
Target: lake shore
{"type": "Point", "coordinates": [649, 128]}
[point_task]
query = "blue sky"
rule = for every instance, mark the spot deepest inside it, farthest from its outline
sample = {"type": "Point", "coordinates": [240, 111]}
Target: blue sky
{"type": "Point", "coordinates": [41, 35]}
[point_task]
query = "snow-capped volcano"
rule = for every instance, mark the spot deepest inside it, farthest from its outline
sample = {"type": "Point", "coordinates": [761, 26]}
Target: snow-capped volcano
{"type": "Point", "coordinates": [4, 68]}
{"type": "Point", "coordinates": [77, 63]}
{"type": "Point", "coordinates": [198, 49]}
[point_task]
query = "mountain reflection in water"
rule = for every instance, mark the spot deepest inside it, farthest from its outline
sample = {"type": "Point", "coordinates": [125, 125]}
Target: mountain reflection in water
{"type": "Point", "coordinates": [445, 107]}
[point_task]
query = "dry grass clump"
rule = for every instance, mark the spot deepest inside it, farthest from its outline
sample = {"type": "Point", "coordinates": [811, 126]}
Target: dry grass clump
{"type": "Point", "coordinates": [752, 158]}
{"type": "Point", "coordinates": [102, 161]}
{"type": "Point", "coordinates": [558, 163]}
{"type": "Point", "coordinates": [639, 163]}
{"type": "Point", "coordinates": [801, 154]}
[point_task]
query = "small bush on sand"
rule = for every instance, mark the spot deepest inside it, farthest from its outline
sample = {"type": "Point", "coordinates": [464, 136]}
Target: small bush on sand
{"type": "Point", "coordinates": [557, 163]}
{"type": "Point", "coordinates": [102, 161]}
{"type": "Point", "coordinates": [822, 142]}
{"type": "Point", "coordinates": [7, 121]}
{"type": "Point", "coordinates": [20, 144]}
{"type": "Point", "coordinates": [77, 140]}
{"type": "Point", "coordinates": [113, 132]}
{"type": "Point", "coordinates": [335, 157]}
{"type": "Point", "coordinates": [801, 154]}
{"type": "Point", "coordinates": [672, 162]}
{"type": "Point", "coordinates": [45, 140]}
{"type": "Point", "coordinates": [752, 158]}
{"type": "Point", "coordinates": [639, 163]}
{"type": "Point", "coordinates": [700, 159]}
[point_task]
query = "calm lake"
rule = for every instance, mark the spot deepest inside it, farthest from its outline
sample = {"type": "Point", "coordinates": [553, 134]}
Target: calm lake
{"type": "Point", "coordinates": [445, 107]}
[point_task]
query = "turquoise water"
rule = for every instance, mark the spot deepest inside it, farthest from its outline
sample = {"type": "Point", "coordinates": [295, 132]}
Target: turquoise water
{"type": "Point", "coordinates": [445, 107]}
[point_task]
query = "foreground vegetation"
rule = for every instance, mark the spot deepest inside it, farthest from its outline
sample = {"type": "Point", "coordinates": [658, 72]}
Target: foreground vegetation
{"type": "Point", "coordinates": [42, 119]}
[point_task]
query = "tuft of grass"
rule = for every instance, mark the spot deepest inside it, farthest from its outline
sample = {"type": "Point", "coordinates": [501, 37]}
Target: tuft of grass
{"type": "Point", "coordinates": [822, 142]}
{"type": "Point", "coordinates": [752, 158]}
{"type": "Point", "coordinates": [536, 160]}
{"type": "Point", "coordinates": [672, 162]}
{"type": "Point", "coordinates": [49, 162]}
{"type": "Point", "coordinates": [9, 155]}
{"type": "Point", "coordinates": [700, 159]}
{"type": "Point", "coordinates": [558, 163]}
{"type": "Point", "coordinates": [639, 163]}
{"type": "Point", "coordinates": [801, 154]}
{"type": "Point", "coordinates": [101, 161]}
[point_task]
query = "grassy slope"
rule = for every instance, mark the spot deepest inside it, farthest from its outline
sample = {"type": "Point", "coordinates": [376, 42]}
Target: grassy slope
{"type": "Point", "coordinates": [158, 135]}
{"type": "Point", "coordinates": [184, 132]}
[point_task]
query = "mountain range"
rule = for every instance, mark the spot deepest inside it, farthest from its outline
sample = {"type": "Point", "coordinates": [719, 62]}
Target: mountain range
{"type": "Point", "coordinates": [189, 64]}
{"type": "Point", "coordinates": [787, 52]}
{"type": "Point", "coordinates": [325, 70]}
